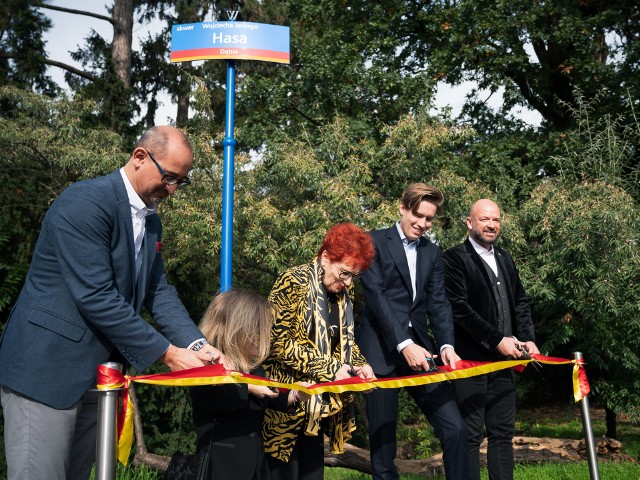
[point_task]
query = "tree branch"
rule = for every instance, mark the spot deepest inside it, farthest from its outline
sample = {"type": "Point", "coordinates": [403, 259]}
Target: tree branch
{"type": "Point", "coordinates": [69, 68]}
{"type": "Point", "coordinates": [76, 12]}
{"type": "Point", "coordinates": [81, 73]}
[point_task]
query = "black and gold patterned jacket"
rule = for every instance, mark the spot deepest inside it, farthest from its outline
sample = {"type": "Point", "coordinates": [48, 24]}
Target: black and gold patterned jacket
{"type": "Point", "coordinates": [295, 356]}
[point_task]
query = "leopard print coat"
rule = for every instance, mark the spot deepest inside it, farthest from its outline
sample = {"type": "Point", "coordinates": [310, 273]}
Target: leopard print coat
{"type": "Point", "coordinates": [295, 356]}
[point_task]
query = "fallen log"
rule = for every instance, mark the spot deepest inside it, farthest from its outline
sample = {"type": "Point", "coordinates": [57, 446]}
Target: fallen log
{"type": "Point", "coordinates": [525, 450]}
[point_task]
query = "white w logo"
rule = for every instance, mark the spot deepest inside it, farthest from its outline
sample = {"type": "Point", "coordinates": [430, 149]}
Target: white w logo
{"type": "Point", "coordinates": [232, 14]}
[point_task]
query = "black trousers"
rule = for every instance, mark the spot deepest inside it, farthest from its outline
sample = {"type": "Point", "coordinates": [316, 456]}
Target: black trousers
{"type": "Point", "coordinates": [437, 402]}
{"type": "Point", "coordinates": [305, 463]}
{"type": "Point", "coordinates": [489, 401]}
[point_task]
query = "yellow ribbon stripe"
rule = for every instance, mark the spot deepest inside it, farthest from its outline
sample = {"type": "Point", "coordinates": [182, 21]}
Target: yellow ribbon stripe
{"type": "Point", "coordinates": [109, 379]}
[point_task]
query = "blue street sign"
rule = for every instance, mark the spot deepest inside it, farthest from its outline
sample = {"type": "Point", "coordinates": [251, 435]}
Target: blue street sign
{"type": "Point", "coordinates": [229, 40]}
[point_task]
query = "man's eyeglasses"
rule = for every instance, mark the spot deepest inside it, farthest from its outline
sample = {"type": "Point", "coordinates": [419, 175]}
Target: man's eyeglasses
{"type": "Point", "coordinates": [347, 275]}
{"type": "Point", "coordinates": [170, 179]}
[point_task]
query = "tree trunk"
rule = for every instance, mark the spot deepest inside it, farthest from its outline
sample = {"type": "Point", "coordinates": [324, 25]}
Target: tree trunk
{"type": "Point", "coordinates": [122, 40]}
{"type": "Point", "coordinates": [184, 94]}
{"type": "Point", "coordinates": [142, 456]}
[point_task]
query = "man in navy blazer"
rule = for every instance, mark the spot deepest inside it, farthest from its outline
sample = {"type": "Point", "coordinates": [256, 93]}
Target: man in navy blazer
{"type": "Point", "coordinates": [405, 298]}
{"type": "Point", "coordinates": [492, 322]}
{"type": "Point", "coordinates": [97, 262]}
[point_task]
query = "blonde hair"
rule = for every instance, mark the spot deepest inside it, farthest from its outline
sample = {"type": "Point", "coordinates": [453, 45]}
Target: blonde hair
{"type": "Point", "coordinates": [238, 323]}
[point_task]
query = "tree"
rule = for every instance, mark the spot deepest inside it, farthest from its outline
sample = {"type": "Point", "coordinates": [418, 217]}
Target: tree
{"type": "Point", "coordinates": [46, 146]}
{"type": "Point", "coordinates": [22, 47]}
{"type": "Point", "coordinates": [583, 273]}
{"type": "Point", "coordinates": [122, 22]}
{"type": "Point", "coordinates": [542, 53]}
{"type": "Point", "coordinates": [582, 262]}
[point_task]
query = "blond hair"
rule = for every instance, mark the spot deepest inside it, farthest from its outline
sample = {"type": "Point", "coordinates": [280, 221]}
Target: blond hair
{"type": "Point", "coordinates": [238, 323]}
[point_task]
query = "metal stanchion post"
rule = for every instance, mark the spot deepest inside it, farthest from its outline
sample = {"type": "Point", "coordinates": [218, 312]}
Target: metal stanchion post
{"type": "Point", "coordinates": [107, 430]}
{"type": "Point", "coordinates": [594, 474]}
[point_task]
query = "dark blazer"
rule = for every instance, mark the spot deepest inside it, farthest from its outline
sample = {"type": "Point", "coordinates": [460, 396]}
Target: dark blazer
{"type": "Point", "coordinates": [390, 307]}
{"type": "Point", "coordinates": [235, 418]}
{"type": "Point", "coordinates": [469, 288]}
{"type": "Point", "coordinates": [80, 304]}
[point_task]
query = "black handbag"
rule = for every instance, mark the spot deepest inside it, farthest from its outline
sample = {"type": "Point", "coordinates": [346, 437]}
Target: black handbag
{"type": "Point", "coordinates": [187, 466]}
{"type": "Point", "coordinates": [184, 466]}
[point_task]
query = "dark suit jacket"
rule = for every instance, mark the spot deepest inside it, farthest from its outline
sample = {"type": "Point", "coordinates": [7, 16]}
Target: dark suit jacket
{"type": "Point", "coordinates": [389, 305]}
{"type": "Point", "coordinates": [474, 304]}
{"type": "Point", "coordinates": [235, 418]}
{"type": "Point", "coordinates": [79, 302]}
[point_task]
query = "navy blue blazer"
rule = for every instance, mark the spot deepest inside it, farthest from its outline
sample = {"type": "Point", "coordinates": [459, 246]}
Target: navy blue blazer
{"type": "Point", "coordinates": [80, 301]}
{"type": "Point", "coordinates": [390, 305]}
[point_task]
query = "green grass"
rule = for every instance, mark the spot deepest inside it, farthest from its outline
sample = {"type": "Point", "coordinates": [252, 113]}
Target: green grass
{"type": "Point", "coordinates": [565, 422]}
{"type": "Point", "coordinates": [554, 422]}
{"type": "Point", "coordinates": [573, 471]}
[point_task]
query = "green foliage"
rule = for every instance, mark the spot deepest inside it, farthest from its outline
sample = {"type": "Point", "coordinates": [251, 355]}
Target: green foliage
{"type": "Point", "coordinates": [582, 270]}
{"type": "Point", "coordinates": [23, 48]}
{"type": "Point", "coordinates": [11, 274]}
{"type": "Point", "coordinates": [601, 147]}
{"type": "Point", "coordinates": [166, 418]}
{"type": "Point", "coordinates": [540, 54]}
{"type": "Point", "coordinates": [581, 262]}
{"type": "Point", "coordinates": [192, 229]}
{"type": "Point", "coordinates": [134, 472]}
{"type": "Point", "coordinates": [337, 135]}
{"type": "Point", "coordinates": [45, 146]}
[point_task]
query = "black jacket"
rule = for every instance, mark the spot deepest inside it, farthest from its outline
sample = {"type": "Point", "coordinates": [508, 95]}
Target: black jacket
{"type": "Point", "coordinates": [235, 419]}
{"type": "Point", "coordinates": [474, 304]}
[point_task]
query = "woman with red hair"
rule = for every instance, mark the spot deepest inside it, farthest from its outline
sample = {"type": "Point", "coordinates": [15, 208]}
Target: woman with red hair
{"type": "Point", "coordinates": [312, 340]}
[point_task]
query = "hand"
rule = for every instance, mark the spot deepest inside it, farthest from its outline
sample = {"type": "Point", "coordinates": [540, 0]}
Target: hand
{"type": "Point", "coordinates": [415, 355]}
{"type": "Point", "coordinates": [180, 358]}
{"type": "Point", "coordinates": [531, 348]}
{"type": "Point", "coordinates": [261, 391]}
{"type": "Point", "coordinates": [365, 372]}
{"type": "Point", "coordinates": [300, 396]}
{"type": "Point", "coordinates": [210, 355]}
{"type": "Point", "coordinates": [449, 357]}
{"type": "Point", "coordinates": [509, 347]}
{"type": "Point", "coordinates": [344, 372]}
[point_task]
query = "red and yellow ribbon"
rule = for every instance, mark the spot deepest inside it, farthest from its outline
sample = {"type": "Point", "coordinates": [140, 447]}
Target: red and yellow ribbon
{"type": "Point", "coordinates": [109, 379]}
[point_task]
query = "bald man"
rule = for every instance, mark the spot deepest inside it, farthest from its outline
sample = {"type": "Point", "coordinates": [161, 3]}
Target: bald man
{"type": "Point", "coordinates": [492, 322]}
{"type": "Point", "coordinates": [97, 263]}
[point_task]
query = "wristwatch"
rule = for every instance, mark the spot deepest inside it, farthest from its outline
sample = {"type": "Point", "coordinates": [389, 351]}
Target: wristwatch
{"type": "Point", "coordinates": [199, 344]}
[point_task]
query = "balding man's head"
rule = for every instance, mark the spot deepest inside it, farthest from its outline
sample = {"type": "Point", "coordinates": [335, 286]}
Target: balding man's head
{"type": "Point", "coordinates": [159, 164]}
{"type": "Point", "coordinates": [483, 222]}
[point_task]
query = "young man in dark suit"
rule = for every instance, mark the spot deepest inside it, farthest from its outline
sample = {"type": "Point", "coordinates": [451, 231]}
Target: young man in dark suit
{"type": "Point", "coordinates": [404, 287]}
{"type": "Point", "coordinates": [492, 322]}
{"type": "Point", "coordinates": [97, 262]}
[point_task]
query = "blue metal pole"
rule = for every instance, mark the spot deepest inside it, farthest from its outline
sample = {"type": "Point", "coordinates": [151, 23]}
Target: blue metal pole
{"type": "Point", "coordinates": [229, 145]}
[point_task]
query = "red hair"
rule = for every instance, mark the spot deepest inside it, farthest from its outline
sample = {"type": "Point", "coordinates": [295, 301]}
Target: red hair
{"type": "Point", "coordinates": [347, 243]}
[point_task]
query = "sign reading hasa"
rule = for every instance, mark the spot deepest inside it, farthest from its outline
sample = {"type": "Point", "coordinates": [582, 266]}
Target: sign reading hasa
{"type": "Point", "coordinates": [229, 40]}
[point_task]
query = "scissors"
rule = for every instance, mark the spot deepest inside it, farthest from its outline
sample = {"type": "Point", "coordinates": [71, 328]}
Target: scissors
{"type": "Point", "coordinates": [525, 354]}
{"type": "Point", "coordinates": [432, 364]}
